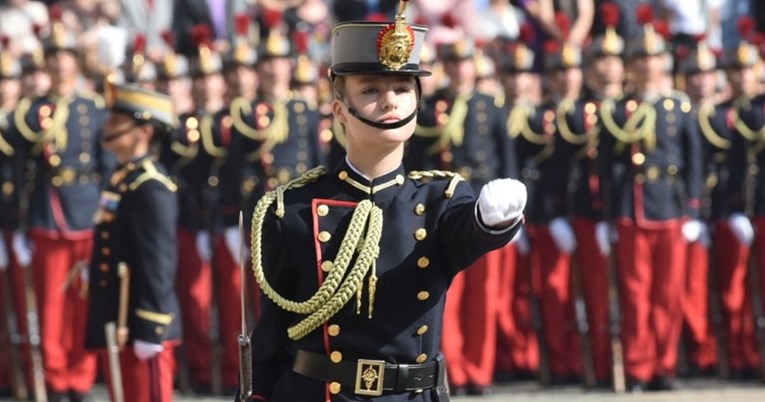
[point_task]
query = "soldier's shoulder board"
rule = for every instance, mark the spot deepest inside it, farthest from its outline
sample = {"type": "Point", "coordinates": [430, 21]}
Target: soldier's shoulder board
{"type": "Point", "coordinates": [150, 172]}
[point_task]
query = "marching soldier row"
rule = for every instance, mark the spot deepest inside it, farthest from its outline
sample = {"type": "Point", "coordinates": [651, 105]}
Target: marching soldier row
{"type": "Point", "coordinates": [636, 188]}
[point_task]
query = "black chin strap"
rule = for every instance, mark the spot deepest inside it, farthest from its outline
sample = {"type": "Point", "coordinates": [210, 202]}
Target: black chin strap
{"type": "Point", "coordinates": [383, 126]}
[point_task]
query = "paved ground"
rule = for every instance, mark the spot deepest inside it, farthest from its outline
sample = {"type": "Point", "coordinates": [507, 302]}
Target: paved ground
{"type": "Point", "coordinates": [690, 391]}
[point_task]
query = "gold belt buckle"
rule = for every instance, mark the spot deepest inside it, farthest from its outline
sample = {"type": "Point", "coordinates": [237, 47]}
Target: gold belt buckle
{"type": "Point", "coordinates": [369, 377]}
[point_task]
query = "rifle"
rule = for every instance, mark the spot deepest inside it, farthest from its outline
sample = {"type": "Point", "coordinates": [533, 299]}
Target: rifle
{"type": "Point", "coordinates": [538, 325]}
{"type": "Point", "coordinates": [20, 390]}
{"type": "Point", "coordinates": [245, 347]}
{"type": "Point", "coordinates": [753, 272]}
{"type": "Point", "coordinates": [33, 336]}
{"type": "Point", "coordinates": [113, 356]}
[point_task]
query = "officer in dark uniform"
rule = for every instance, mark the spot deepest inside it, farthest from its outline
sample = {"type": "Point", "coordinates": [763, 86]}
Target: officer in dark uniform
{"type": "Point", "coordinates": [462, 129]}
{"type": "Point", "coordinates": [133, 269]}
{"type": "Point", "coordinates": [281, 136]}
{"type": "Point", "coordinates": [375, 333]}
{"type": "Point", "coordinates": [697, 67]}
{"type": "Point", "coordinates": [60, 135]}
{"type": "Point", "coordinates": [742, 208]}
{"type": "Point", "coordinates": [651, 174]}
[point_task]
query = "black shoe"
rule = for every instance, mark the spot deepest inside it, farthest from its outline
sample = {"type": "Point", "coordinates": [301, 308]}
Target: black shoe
{"type": "Point", "coordinates": [481, 390]}
{"type": "Point", "coordinates": [58, 396]}
{"type": "Point", "coordinates": [636, 386]}
{"type": "Point", "coordinates": [662, 382]}
{"type": "Point", "coordinates": [743, 374]}
{"type": "Point", "coordinates": [77, 396]}
{"type": "Point", "coordinates": [564, 380]}
{"type": "Point", "coordinates": [202, 389]}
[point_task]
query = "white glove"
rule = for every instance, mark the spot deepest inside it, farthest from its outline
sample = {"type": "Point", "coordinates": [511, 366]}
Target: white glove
{"type": "Point", "coordinates": [521, 242]}
{"type": "Point", "coordinates": [741, 228]}
{"type": "Point", "coordinates": [203, 246]}
{"type": "Point", "coordinates": [145, 350]}
{"type": "Point", "coordinates": [501, 201]}
{"type": "Point", "coordinates": [563, 235]}
{"type": "Point", "coordinates": [603, 237]}
{"type": "Point", "coordinates": [692, 230]}
{"type": "Point", "coordinates": [21, 249]}
{"type": "Point", "coordinates": [233, 241]}
{"type": "Point", "coordinates": [3, 253]}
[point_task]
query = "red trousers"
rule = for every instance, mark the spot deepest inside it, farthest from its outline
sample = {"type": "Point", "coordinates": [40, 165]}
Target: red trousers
{"type": "Point", "coordinates": [470, 323]}
{"type": "Point", "coordinates": [553, 270]}
{"type": "Point", "coordinates": [699, 339]}
{"type": "Point", "coordinates": [651, 267]}
{"type": "Point", "coordinates": [17, 281]}
{"type": "Point", "coordinates": [144, 381]}
{"type": "Point", "coordinates": [195, 292]}
{"type": "Point", "coordinates": [517, 348]}
{"type": "Point", "coordinates": [63, 310]}
{"type": "Point", "coordinates": [594, 277]}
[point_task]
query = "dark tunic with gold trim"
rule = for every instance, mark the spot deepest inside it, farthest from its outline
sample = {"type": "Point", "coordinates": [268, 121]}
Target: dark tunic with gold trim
{"type": "Point", "coordinates": [136, 225]}
{"type": "Point", "coordinates": [63, 139]}
{"type": "Point", "coordinates": [747, 158]}
{"type": "Point", "coordinates": [11, 178]}
{"type": "Point", "coordinates": [427, 238]}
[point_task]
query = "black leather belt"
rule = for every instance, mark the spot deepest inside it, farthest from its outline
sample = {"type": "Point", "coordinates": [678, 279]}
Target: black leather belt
{"type": "Point", "coordinates": [371, 377]}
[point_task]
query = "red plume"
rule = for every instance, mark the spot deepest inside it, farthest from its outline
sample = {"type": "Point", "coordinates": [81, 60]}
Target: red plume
{"type": "Point", "coordinates": [201, 34]}
{"type": "Point", "coordinates": [610, 13]}
{"type": "Point", "coordinates": [758, 39]}
{"type": "Point", "coordinates": [745, 26]}
{"type": "Point", "coordinates": [271, 18]}
{"type": "Point", "coordinates": [481, 43]}
{"type": "Point", "coordinates": [448, 20]}
{"type": "Point", "coordinates": [376, 17]}
{"type": "Point", "coordinates": [242, 23]}
{"type": "Point", "coordinates": [662, 28]}
{"type": "Point", "coordinates": [37, 29]}
{"type": "Point", "coordinates": [300, 38]}
{"type": "Point", "coordinates": [5, 40]}
{"type": "Point", "coordinates": [526, 34]}
{"type": "Point", "coordinates": [55, 12]}
{"type": "Point", "coordinates": [644, 14]}
{"type": "Point", "coordinates": [421, 20]}
{"type": "Point", "coordinates": [139, 43]}
{"type": "Point", "coordinates": [551, 46]}
{"type": "Point", "coordinates": [564, 24]}
{"type": "Point", "coordinates": [168, 38]}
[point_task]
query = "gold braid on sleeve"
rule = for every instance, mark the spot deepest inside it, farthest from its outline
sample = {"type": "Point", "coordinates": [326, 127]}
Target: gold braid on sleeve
{"type": "Point", "coordinates": [365, 229]}
{"type": "Point", "coordinates": [454, 178]}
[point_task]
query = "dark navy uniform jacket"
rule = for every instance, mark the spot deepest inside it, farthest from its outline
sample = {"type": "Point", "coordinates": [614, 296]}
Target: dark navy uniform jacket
{"type": "Point", "coordinates": [658, 177]}
{"type": "Point", "coordinates": [533, 129]}
{"type": "Point", "coordinates": [136, 225]}
{"type": "Point", "coordinates": [716, 126]}
{"type": "Point", "coordinates": [484, 153]}
{"type": "Point", "coordinates": [12, 175]}
{"type": "Point", "coordinates": [181, 152]}
{"type": "Point", "coordinates": [576, 188]}
{"type": "Point", "coordinates": [427, 238]}
{"type": "Point", "coordinates": [747, 174]}
{"type": "Point", "coordinates": [62, 138]}
{"type": "Point", "coordinates": [281, 142]}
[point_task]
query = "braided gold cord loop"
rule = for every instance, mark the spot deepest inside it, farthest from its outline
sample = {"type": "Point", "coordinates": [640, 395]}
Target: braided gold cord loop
{"type": "Point", "coordinates": [454, 178]}
{"type": "Point", "coordinates": [334, 292]}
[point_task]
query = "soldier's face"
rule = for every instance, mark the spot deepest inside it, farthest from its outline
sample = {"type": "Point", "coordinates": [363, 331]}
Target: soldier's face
{"type": "Point", "coordinates": [460, 72]}
{"type": "Point", "coordinates": [10, 91]}
{"type": "Point", "coordinates": [383, 99]}
{"type": "Point", "coordinates": [702, 84]}
{"type": "Point", "coordinates": [649, 68]}
{"type": "Point", "coordinates": [62, 66]}
{"type": "Point", "coordinates": [743, 80]}
{"type": "Point", "coordinates": [124, 137]}
{"type": "Point", "coordinates": [275, 71]}
{"type": "Point", "coordinates": [608, 70]}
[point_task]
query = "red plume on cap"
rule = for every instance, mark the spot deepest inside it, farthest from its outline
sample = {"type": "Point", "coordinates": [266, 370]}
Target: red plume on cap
{"type": "Point", "coordinates": [37, 29]}
{"type": "Point", "coordinates": [300, 38]}
{"type": "Point", "coordinates": [201, 35]}
{"type": "Point", "coordinates": [139, 43]}
{"type": "Point", "coordinates": [758, 39]}
{"type": "Point", "coordinates": [662, 29]}
{"type": "Point", "coordinates": [564, 25]}
{"type": "Point", "coordinates": [271, 18]}
{"type": "Point", "coordinates": [5, 40]}
{"type": "Point", "coordinates": [242, 24]}
{"type": "Point", "coordinates": [526, 34]}
{"type": "Point", "coordinates": [168, 38]}
{"type": "Point", "coordinates": [610, 13]}
{"type": "Point", "coordinates": [448, 20]}
{"type": "Point", "coordinates": [644, 14]}
{"type": "Point", "coordinates": [55, 12]}
{"type": "Point", "coordinates": [682, 53]}
{"type": "Point", "coordinates": [745, 26]}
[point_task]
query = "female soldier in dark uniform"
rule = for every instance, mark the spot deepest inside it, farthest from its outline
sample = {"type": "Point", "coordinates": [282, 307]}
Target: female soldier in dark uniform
{"type": "Point", "coordinates": [354, 263]}
{"type": "Point", "coordinates": [133, 269]}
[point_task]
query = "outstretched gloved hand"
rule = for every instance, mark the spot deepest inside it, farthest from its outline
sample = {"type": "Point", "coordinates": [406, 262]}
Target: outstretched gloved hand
{"type": "Point", "coordinates": [563, 235]}
{"type": "Point", "coordinates": [145, 350]}
{"type": "Point", "coordinates": [502, 201]}
{"type": "Point", "coordinates": [741, 227]}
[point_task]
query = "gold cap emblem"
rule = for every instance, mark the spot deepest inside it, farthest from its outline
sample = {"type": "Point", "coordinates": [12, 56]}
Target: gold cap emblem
{"type": "Point", "coordinates": [396, 41]}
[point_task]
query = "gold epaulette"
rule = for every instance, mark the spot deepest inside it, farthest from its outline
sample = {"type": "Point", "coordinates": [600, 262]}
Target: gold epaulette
{"type": "Point", "coordinates": [151, 173]}
{"type": "Point", "coordinates": [682, 98]}
{"type": "Point", "coordinates": [453, 177]}
{"type": "Point", "coordinates": [206, 134]}
{"type": "Point", "coordinates": [5, 147]}
{"type": "Point", "coordinates": [20, 120]}
{"type": "Point", "coordinates": [705, 114]}
{"type": "Point", "coordinates": [241, 107]}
